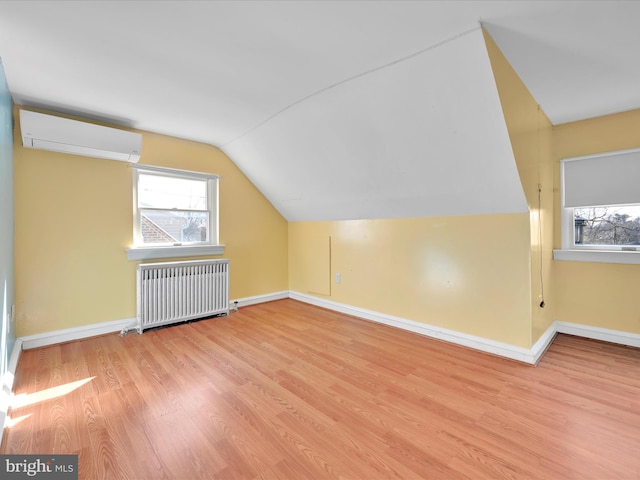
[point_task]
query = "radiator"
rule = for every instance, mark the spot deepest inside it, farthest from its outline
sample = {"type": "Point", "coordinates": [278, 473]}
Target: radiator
{"type": "Point", "coordinates": [178, 291]}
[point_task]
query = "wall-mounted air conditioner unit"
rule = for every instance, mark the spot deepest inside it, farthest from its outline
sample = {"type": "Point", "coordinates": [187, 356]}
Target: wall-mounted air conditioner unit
{"type": "Point", "coordinates": [58, 134]}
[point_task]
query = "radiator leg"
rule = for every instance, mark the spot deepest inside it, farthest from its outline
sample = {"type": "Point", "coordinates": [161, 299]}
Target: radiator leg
{"type": "Point", "coordinates": [126, 329]}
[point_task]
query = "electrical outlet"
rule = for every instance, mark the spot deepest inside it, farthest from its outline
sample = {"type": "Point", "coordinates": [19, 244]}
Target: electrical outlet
{"type": "Point", "coordinates": [338, 277]}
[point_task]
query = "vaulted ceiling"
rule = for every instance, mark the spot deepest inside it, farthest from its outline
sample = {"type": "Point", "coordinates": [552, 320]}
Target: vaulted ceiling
{"type": "Point", "coordinates": [334, 109]}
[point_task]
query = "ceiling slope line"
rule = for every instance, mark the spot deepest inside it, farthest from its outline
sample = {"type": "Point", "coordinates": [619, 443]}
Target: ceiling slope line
{"type": "Point", "coordinates": [355, 77]}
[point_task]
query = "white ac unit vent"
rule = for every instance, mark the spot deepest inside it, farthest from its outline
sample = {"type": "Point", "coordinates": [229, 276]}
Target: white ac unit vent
{"type": "Point", "coordinates": [58, 134]}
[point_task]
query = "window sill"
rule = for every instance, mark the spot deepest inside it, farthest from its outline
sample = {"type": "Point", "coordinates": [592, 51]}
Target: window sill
{"type": "Point", "coordinates": [598, 256]}
{"type": "Point", "coordinates": [148, 253]}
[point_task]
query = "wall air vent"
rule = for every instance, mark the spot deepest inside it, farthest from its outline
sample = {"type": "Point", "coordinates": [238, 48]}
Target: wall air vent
{"type": "Point", "coordinates": [48, 132]}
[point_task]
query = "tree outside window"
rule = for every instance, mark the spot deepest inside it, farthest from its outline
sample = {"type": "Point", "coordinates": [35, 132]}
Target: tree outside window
{"type": "Point", "coordinates": [609, 225]}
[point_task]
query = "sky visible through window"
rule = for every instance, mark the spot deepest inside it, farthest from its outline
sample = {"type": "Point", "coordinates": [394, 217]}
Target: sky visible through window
{"type": "Point", "coordinates": [173, 209]}
{"type": "Point", "coordinates": [157, 191]}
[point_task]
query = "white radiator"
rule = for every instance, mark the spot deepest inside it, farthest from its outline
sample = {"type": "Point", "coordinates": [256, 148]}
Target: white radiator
{"type": "Point", "coordinates": [177, 291]}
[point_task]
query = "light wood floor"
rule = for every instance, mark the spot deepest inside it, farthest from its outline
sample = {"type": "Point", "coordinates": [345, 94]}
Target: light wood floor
{"type": "Point", "coordinates": [286, 390]}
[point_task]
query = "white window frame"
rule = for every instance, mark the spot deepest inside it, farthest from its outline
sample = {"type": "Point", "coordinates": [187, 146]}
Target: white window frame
{"type": "Point", "coordinates": [589, 253]}
{"type": "Point", "coordinates": [139, 251]}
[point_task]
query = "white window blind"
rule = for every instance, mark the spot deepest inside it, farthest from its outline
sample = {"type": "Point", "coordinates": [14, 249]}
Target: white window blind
{"type": "Point", "coordinates": [606, 179]}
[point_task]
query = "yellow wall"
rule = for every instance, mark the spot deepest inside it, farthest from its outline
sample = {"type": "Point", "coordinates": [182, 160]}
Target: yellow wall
{"type": "Point", "coordinates": [453, 272]}
{"type": "Point", "coordinates": [482, 275]}
{"type": "Point", "coordinates": [74, 222]}
{"type": "Point", "coordinates": [465, 273]}
{"type": "Point", "coordinates": [596, 294]}
{"type": "Point", "coordinates": [530, 133]}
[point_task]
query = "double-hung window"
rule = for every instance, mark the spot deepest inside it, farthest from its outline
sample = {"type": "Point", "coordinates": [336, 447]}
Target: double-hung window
{"type": "Point", "coordinates": [601, 208]}
{"type": "Point", "coordinates": [175, 213]}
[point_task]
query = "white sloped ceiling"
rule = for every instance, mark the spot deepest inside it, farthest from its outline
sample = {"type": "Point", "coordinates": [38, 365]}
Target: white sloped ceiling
{"type": "Point", "coordinates": [423, 136]}
{"type": "Point", "coordinates": [334, 109]}
{"type": "Point", "coordinates": [579, 62]}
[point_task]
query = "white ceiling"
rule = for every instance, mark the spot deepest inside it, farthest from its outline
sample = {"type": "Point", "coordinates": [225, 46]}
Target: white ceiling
{"type": "Point", "coordinates": [334, 110]}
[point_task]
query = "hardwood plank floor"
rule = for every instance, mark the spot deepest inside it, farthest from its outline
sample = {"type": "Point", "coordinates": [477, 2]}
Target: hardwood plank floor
{"type": "Point", "coordinates": [284, 390]}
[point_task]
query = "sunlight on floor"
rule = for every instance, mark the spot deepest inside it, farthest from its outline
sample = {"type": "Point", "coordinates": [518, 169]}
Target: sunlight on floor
{"type": "Point", "coordinates": [25, 399]}
{"type": "Point", "coordinates": [10, 422]}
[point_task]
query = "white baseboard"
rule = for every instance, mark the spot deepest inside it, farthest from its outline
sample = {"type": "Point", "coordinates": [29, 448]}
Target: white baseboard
{"type": "Point", "coordinates": [76, 333]}
{"type": "Point", "coordinates": [541, 345]}
{"type": "Point", "coordinates": [527, 355]}
{"type": "Point", "coordinates": [269, 297]}
{"type": "Point", "coordinates": [483, 344]}
{"type": "Point", "coordinates": [13, 359]}
{"type": "Point", "coordinates": [597, 333]}
{"type": "Point", "coordinates": [7, 384]}
{"type": "Point", "coordinates": [85, 331]}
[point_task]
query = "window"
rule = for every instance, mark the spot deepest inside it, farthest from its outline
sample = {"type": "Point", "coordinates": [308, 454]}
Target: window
{"type": "Point", "coordinates": [175, 213]}
{"type": "Point", "coordinates": [607, 227]}
{"type": "Point", "coordinates": [601, 208]}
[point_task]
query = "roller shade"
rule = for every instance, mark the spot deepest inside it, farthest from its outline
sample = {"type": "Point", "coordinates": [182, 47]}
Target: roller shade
{"type": "Point", "coordinates": [605, 179]}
